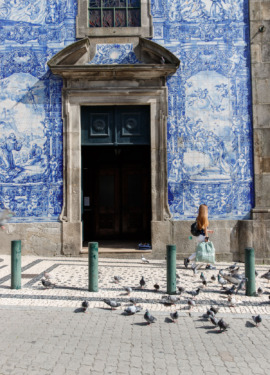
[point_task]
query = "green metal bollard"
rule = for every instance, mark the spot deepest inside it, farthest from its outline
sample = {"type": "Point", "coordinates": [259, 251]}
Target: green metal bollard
{"type": "Point", "coordinates": [93, 266]}
{"type": "Point", "coordinates": [16, 264]}
{"type": "Point", "coordinates": [171, 269]}
{"type": "Point", "coordinates": [250, 271]}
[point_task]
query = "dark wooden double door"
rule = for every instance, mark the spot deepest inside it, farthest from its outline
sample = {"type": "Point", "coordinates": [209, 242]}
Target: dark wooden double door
{"type": "Point", "coordinates": [116, 190]}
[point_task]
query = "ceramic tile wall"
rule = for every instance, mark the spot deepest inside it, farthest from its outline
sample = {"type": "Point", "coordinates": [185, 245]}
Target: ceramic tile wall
{"type": "Point", "coordinates": [209, 122]}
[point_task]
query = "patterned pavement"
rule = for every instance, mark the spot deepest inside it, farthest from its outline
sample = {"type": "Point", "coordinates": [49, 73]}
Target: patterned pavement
{"type": "Point", "coordinates": [70, 276]}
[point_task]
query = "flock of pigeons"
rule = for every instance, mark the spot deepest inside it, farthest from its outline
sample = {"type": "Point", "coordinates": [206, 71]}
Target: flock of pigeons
{"type": "Point", "coordinates": [229, 276]}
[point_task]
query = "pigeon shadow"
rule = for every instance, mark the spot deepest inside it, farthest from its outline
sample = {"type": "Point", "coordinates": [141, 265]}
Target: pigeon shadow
{"type": "Point", "coordinates": [214, 331]}
{"type": "Point", "coordinates": [250, 325]}
{"type": "Point", "coordinates": [141, 324]}
{"type": "Point", "coordinates": [79, 310]}
{"type": "Point", "coordinates": [206, 327]}
{"type": "Point", "coordinates": [168, 320]}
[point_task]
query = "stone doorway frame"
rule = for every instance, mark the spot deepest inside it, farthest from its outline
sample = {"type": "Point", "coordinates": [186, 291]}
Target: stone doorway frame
{"type": "Point", "coordinates": [103, 85]}
{"type": "Point", "coordinates": [73, 100]}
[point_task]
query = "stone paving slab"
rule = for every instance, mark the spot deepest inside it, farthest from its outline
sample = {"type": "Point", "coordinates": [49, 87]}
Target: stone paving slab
{"type": "Point", "coordinates": [70, 276]}
{"type": "Point", "coordinates": [55, 341]}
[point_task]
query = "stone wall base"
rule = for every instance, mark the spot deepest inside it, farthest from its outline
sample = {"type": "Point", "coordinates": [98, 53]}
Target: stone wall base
{"type": "Point", "coordinates": [230, 238]}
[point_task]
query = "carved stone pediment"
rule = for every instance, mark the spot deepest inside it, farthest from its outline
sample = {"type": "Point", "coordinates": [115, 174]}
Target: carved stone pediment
{"type": "Point", "coordinates": [139, 58]}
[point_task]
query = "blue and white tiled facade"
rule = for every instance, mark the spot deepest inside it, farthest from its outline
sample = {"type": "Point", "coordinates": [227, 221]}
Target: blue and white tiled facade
{"type": "Point", "coordinates": [209, 123]}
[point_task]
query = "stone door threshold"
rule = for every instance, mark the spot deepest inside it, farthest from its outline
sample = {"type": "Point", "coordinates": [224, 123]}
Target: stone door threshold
{"type": "Point", "coordinates": [117, 251]}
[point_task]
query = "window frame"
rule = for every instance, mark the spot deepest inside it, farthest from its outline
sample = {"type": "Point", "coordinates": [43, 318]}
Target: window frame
{"type": "Point", "coordinates": [83, 30]}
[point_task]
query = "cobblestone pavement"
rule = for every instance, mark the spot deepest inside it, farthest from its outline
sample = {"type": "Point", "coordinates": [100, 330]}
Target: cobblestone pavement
{"type": "Point", "coordinates": [55, 341]}
{"type": "Point", "coordinates": [43, 331]}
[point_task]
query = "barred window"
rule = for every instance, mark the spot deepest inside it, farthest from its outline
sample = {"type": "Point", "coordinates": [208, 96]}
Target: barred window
{"type": "Point", "coordinates": [114, 13]}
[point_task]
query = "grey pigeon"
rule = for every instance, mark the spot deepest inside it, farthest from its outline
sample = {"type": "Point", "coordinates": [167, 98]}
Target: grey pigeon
{"type": "Point", "coordinates": [214, 309]}
{"type": "Point", "coordinates": [142, 282]}
{"type": "Point", "coordinates": [221, 281]}
{"type": "Point", "coordinates": [191, 303]}
{"type": "Point", "coordinates": [156, 286]}
{"type": "Point", "coordinates": [233, 279]}
{"type": "Point", "coordinates": [169, 300]}
{"type": "Point", "coordinates": [223, 325]}
{"type": "Point", "coordinates": [117, 279]}
{"type": "Point", "coordinates": [85, 305]}
{"type": "Point", "coordinates": [47, 284]}
{"type": "Point", "coordinates": [133, 300]}
{"type": "Point", "coordinates": [240, 285]}
{"type": "Point", "coordinates": [194, 293]}
{"type": "Point", "coordinates": [149, 318]}
{"type": "Point", "coordinates": [174, 316]}
{"type": "Point", "coordinates": [112, 303]}
{"type": "Point", "coordinates": [257, 319]}
{"type": "Point", "coordinates": [266, 276]}
{"type": "Point", "coordinates": [208, 314]}
{"type": "Point", "coordinates": [260, 291]}
{"type": "Point", "coordinates": [213, 319]}
{"type": "Point", "coordinates": [230, 291]}
{"type": "Point", "coordinates": [231, 268]}
{"type": "Point", "coordinates": [128, 289]}
{"type": "Point", "coordinates": [202, 277]}
{"type": "Point", "coordinates": [213, 278]}
{"type": "Point", "coordinates": [131, 310]}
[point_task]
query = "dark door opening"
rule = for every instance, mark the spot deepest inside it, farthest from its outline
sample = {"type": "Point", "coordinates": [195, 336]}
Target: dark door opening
{"type": "Point", "coordinates": [116, 193]}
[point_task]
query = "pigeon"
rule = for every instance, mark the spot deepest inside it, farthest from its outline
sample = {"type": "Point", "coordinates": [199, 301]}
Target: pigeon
{"type": "Point", "coordinates": [233, 279]}
{"type": "Point", "coordinates": [128, 289]}
{"type": "Point", "coordinates": [257, 319]}
{"type": "Point", "coordinates": [235, 271]}
{"type": "Point", "coordinates": [142, 282]}
{"type": "Point", "coordinates": [191, 303]}
{"type": "Point", "coordinates": [204, 282]}
{"type": "Point", "coordinates": [144, 260]}
{"type": "Point", "coordinates": [231, 268]}
{"type": "Point", "coordinates": [213, 278]}
{"type": "Point", "coordinates": [169, 300]}
{"type": "Point", "coordinates": [174, 316]}
{"type": "Point", "coordinates": [260, 291]}
{"type": "Point", "coordinates": [149, 318]}
{"type": "Point", "coordinates": [208, 314]}
{"type": "Point", "coordinates": [221, 281]}
{"type": "Point", "coordinates": [156, 286]}
{"type": "Point", "coordinates": [222, 325]}
{"type": "Point", "coordinates": [214, 309]}
{"type": "Point", "coordinates": [193, 267]}
{"type": "Point", "coordinates": [210, 267]}
{"type": "Point", "coordinates": [202, 276]}
{"type": "Point", "coordinates": [240, 285]}
{"type": "Point", "coordinates": [230, 291]}
{"type": "Point", "coordinates": [266, 276]}
{"type": "Point", "coordinates": [194, 293]}
{"type": "Point", "coordinates": [232, 301]}
{"type": "Point", "coordinates": [117, 279]}
{"type": "Point", "coordinates": [181, 289]}
{"type": "Point", "coordinates": [47, 284]}
{"type": "Point", "coordinates": [213, 319]}
{"type": "Point", "coordinates": [113, 304]}
{"type": "Point", "coordinates": [85, 305]}
{"type": "Point", "coordinates": [131, 310]}
{"type": "Point", "coordinates": [133, 300]}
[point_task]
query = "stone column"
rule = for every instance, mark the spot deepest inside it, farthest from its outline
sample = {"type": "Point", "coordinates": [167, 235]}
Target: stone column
{"type": "Point", "coordinates": [260, 70]}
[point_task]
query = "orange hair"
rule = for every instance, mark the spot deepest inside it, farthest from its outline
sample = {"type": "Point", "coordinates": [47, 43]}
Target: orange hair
{"type": "Point", "coordinates": [202, 218]}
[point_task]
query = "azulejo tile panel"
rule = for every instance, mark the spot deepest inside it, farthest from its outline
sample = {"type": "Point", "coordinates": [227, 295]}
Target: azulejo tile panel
{"type": "Point", "coordinates": [209, 122]}
{"type": "Point", "coordinates": [31, 180]}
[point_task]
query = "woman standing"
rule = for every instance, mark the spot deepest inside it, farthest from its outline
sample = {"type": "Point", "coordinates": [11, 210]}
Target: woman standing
{"type": "Point", "coordinates": [202, 226]}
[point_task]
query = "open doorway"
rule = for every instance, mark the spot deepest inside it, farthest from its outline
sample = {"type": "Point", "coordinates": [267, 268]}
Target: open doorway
{"type": "Point", "coordinates": [116, 193]}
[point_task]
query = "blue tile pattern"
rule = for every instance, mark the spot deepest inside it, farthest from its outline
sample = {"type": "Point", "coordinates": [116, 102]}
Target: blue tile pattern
{"type": "Point", "coordinates": [209, 121]}
{"type": "Point", "coordinates": [114, 54]}
{"type": "Point", "coordinates": [31, 180]}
